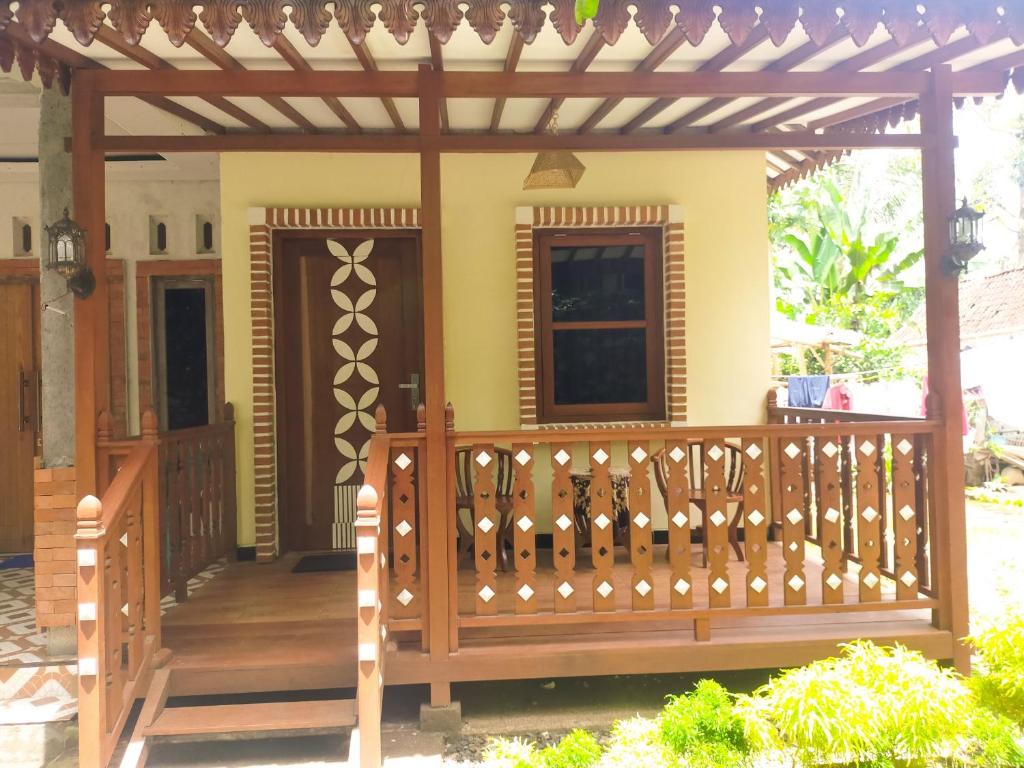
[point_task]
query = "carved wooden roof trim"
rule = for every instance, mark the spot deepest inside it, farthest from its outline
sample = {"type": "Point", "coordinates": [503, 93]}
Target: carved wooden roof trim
{"type": "Point", "coordinates": [985, 19]}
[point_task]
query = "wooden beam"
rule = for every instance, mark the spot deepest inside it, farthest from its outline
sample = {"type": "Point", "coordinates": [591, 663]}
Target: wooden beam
{"type": "Point", "coordinates": [790, 61]}
{"type": "Point", "coordinates": [73, 58]}
{"type": "Point", "coordinates": [369, 65]}
{"type": "Point", "coordinates": [515, 51]}
{"type": "Point", "coordinates": [437, 62]}
{"type": "Point", "coordinates": [586, 57]}
{"type": "Point", "coordinates": [113, 39]}
{"type": "Point", "coordinates": [217, 55]}
{"type": "Point", "coordinates": [503, 142]}
{"type": "Point", "coordinates": [297, 61]}
{"type": "Point", "coordinates": [668, 45]}
{"type": "Point", "coordinates": [724, 58]}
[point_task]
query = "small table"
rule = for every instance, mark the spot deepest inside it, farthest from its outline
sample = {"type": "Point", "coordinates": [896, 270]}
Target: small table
{"type": "Point", "coordinates": [581, 503]}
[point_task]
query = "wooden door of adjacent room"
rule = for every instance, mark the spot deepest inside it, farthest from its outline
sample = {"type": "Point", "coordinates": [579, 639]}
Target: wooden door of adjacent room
{"type": "Point", "coordinates": [18, 422]}
{"type": "Point", "coordinates": [348, 335]}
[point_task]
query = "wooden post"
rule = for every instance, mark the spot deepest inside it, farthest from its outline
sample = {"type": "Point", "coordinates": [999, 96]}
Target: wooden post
{"type": "Point", "coordinates": [92, 346]}
{"type": "Point", "coordinates": [938, 181]}
{"type": "Point", "coordinates": [433, 343]}
{"type": "Point", "coordinates": [92, 655]}
{"type": "Point", "coordinates": [151, 542]}
{"type": "Point", "coordinates": [369, 645]}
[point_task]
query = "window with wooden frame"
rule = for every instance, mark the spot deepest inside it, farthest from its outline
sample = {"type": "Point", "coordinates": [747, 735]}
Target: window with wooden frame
{"type": "Point", "coordinates": [599, 324]}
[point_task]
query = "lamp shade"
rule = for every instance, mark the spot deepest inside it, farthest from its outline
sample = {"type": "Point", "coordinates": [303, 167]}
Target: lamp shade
{"type": "Point", "coordinates": [558, 169]}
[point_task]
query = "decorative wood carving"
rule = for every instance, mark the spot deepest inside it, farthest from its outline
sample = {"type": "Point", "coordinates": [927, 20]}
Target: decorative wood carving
{"type": "Point", "coordinates": [942, 19]}
{"type": "Point", "coordinates": [64, 75]}
{"type": "Point", "coordinates": [486, 17]}
{"type": "Point", "coordinates": [563, 531]}
{"type": "Point", "coordinates": [563, 16]}
{"type": "Point", "coordinates": [602, 527]}
{"type": "Point", "coordinates": [527, 17]}
{"type": "Point", "coordinates": [26, 57]}
{"type": "Point", "coordinates": [399, 18]}
{"type": "Point", "coordinates": [311, 18]}
{"type": "Point", "coordinates": [355, 17]}
{"type": "Point", "coordinates": [612, 19]}
{"type": "Point", "coordinates": [716, 525]}
{"type": "Point", "coordinates": [641, 542]}
{"type": "Point", "coordinates": [1013, 22]}
{"type": "Point", "coordinates": [267, 19]}
{"type": "Point", "coordinates": [442, 17]}
{"type": "Point", "coordinates": [677, 508]}
{"type": "Point", "coordinates": [38, 18]}
{"type": "Point", "coordinates": [487, 525]}
{"type": "Point", "coordinates": [861, 17]}
{"type": "Point", "coordinates": [695, 18]}
{"type": "Point", "coordinates": [82, 18]}
{"type": "Point", "coordinates": [818, 20]}
{"type": "Point", "coordinates": [132, 17]}
{"type": "Point", "coordinates": [737, 18]}
{"type": "Point", "coordinates": [901, 19]}
{"type": "Point", "coordinates": [47, 69]}
{"type": "Point", "coordinates": [780, 19]}
{"type": "Point", "coordinates": [756, 521]}
{"type": "Point", "coordinates": [830, 518]}
{"type": "Point", "coordinates": [6, 14]}
{"type": "Point", "coordinates": [405, 596]}
{"type": "Point", "coordinates": [524, 531]}
{"type": "Point", "coordinates": [869, 519]}
{"type": "Point", "coordinates": [6, 54]}
{"type": "Point", "coordinates": [794, 582]}
{"type": "Point", "coordinates": [221, 18]}
{"type": "Point", "coordinates": [176, 17]}
{"type": "Point", "coordinates": [653, 18]}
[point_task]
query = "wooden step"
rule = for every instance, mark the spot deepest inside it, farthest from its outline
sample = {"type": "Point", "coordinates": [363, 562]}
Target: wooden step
{"type": "Point", "coordinates": [273, 717]}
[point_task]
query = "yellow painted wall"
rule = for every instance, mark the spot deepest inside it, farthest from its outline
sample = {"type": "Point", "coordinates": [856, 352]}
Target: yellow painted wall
{"type": "Point", "coordinates": [727, 269]}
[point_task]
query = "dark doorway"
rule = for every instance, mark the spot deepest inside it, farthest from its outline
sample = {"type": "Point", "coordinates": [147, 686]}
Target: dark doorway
{"type": "Point", "coordinates": [184, 352]}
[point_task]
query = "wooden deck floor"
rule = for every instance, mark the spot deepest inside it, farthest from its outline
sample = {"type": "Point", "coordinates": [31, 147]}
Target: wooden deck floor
{"type": "Point", "coordinates": [261, 627]}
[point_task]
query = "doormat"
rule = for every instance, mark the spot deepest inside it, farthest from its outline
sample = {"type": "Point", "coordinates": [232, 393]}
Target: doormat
{"type": "Point", "coordinates": [336, 561]}
{"type": "Point", "coordinates": [15, 561]}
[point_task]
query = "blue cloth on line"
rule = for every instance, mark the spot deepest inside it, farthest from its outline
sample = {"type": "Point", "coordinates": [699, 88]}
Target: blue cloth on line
{"type": "Point", "coordinates": [807, 391]}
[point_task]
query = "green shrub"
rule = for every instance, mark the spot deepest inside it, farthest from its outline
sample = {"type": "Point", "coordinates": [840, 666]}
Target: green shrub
{"type": "Point", "coordinates": [636, 743]}
{"type": "Point", "coordinates": [870, 706]}
{"type": "Point", "coordinates": [510, 753]}
{"type": "Point", "coordinates": [703, 728]}
{"type": "Point", "coordinates": [995, 741]}
{"type": "Point", "coordinates": [999, 681]}
{"type": "Point", "coordinates": [578, 749]}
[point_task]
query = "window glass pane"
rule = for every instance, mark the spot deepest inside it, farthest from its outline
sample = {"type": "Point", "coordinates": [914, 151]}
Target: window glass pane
{"type": "Point", "coordinates": [597, 283]}
{"type": "Point", "coordinates": [601, 366]}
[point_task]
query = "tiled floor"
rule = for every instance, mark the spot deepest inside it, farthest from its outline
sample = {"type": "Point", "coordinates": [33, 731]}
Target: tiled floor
{"type": "Point", "coordinates": [21, 642]}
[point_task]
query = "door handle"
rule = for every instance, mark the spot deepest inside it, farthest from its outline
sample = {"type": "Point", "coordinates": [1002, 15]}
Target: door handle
{"type": "Point", "coordinates": [414, 390]}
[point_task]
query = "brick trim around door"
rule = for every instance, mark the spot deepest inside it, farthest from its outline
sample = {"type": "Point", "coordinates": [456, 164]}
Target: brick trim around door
{"type": "Point", "coordinates": [262, 224]}
{"type": "Point", "coordinates": [670, 219]}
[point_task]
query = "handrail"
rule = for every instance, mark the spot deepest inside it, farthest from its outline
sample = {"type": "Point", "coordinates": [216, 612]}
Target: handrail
{"type": "Point", "coordinates": [829, 415]}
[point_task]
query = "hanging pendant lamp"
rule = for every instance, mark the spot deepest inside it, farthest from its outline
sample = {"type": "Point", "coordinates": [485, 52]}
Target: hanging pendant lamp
{"type": "Point", "coordinates": [554, 169]}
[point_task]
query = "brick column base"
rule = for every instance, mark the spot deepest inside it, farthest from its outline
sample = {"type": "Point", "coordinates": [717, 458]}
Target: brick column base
{"type": "Point", "coordinates": [54, 554]}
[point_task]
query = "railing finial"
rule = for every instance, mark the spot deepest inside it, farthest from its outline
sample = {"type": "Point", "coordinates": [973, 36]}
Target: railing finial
{"type": "Point", "coordinates": [89, 513]}
{"type": "Point", "coordinates": [933, 406]}
{"type": "Point", "coordinates": [149, 423]}
{"type": "Point", "coordinates": [229, 412]}
{"type": "Point", "coordinates": [104, 427]}
{"type": "Point", "coordinates": [449, 417]}
{"type": "Point", "coordinates": [366, 501]}
{"type": "Point", "coordinates": [773, 397]}
{"type": "Point", "coordinates": [381, 417]}
{"type": "Point", "coordinates": [421, 418]}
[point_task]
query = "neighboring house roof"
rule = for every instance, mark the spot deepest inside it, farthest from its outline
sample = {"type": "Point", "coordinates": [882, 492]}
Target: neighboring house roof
{"type": "Point", "coordinates": [990, 306]}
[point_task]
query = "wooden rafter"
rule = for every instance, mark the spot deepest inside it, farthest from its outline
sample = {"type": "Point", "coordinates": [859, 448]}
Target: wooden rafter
{"type": "Point", "coordinates": [369, 64]}
{"type": "Point", "coordinates": [515, 51]}
{"type": "Point", "coordinates": [73, 58]}
{"type": "Point", "coordinates": [109, 37]}
{"type": "Point", "coordinates": [437, 62]}
{"type": "Point", "coordinates": [790, 61]}
{"type": "Point", "coordinates": [586, 57]}
{"type": "Point", "coordinates": [724, 58]}
{"type": "Point", "coordinates": [297, 61]}
{"type": "Point", "coordinates": [218, 56]}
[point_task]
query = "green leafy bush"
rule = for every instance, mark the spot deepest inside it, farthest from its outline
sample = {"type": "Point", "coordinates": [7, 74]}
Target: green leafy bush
{"type": "Point", "coordinates": [510, 753]}
{"type": "Point", "coordinates": [703, 728]}
{"type": "Point", "coordinates": [578, 749]}
{"type": "Point", "coordinates": [870, 706]}
{"type": "Point", "coordinates": [636, 743]}
{"type": "Point", "coordinates": [995, 741]}
{"type": "Point", "coordinates": [999, 681]}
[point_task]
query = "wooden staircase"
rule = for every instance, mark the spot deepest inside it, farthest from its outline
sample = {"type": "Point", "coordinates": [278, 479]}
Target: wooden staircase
{"type": "Point", "coordinates": [159, 722]}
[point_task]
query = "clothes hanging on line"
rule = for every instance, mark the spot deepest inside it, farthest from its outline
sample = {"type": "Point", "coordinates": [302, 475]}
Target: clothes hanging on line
{"type": "Point", "coordinates": [838, 398]}
{"type": "Point", "coordinates": [807, 391]}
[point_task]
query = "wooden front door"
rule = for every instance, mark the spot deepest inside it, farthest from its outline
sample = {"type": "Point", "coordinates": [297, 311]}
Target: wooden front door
{"type": "Point", "coordinates": [348, 335]}
{"type": "Point", "coordinates": [18, 312]}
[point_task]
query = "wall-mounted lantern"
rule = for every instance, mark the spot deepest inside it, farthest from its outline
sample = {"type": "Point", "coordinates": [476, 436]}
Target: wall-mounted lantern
{"type": "Point", "coordinates": [964, 237]}
{"type": "Point", "coordinates": [66, 256]}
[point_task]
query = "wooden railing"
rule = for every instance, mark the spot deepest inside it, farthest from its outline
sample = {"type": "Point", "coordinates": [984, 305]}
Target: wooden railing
{"type": "Point", "coordinates": [197, 494]}
{"type": "Point", "coordinates": [118, 555]}
{"type": "Point", "coordinates": [852, 500]}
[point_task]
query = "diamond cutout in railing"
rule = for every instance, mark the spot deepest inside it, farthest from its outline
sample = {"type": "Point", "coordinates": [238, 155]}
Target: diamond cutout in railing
{"type": "Point", "coordinates": [833, 581]}
{"type": "Point", "coordinates": [525, 592]}
{"type": "Point", "coordinates": [564, 553]}
{"type": "Point", "coordinates": [908, 578]}
{"type": "Point", "coordinates": [831, 514]}
{"type": "Point", "coordinates": [404, 597]}
{"type": "Point", "coordinates": [717, 518]}
{"type": "Point", "coordinates": [792, 450]}
{"type": "Point", "coordinates": [794, 516]}
{"type": "Point", "coordinates": [715, 453]}
{"type": "Point", "coordinates": [758, 584]}
{"type": "Point", "coordinates": [604, 589]}
{"type": "Point", "coordinates": [483, 458]}
{"type": "Point", "coordinates": [641, 520]}
{"type": "Point", "coordinates": [830, 449]}
{"type": "Point", "coordinates": [753, 451]}
{"type": "Point", "coordinates": [870, 580]}
{"type": "Point", "coordinates": [867, 448]}
{"type": "Point", "coordinates": [485, 524]}
{"type": "Point", "coordinates": [403, 528]}
{"type": "Point", "coordinates": [124, 540]}
{"type": "Point", "coordinates": [524, 524]}
{"type": "Point", "coordinates": [720, 585]}
{"type": "Point", "coordinates": [904, 446]}
{"type": "Point", "coordinates": [565, 589]}
{"type": "Point", "coordinates": [602, 521]}
{"type": "Point", "coordinates": [562, 457]}
{"type": "Point", "coordinates": [755, 517]}
{"type": "Point", "coordinates": [486, 594]}
{"type": "Point", "coordinates": [678, 519]}
{"type": "Point", "coordinates": [793, 546]}
{"type": "Point", "coordinates": [563, 522]}
{"type": "Point", "coordinates": [676, 454]}
{"type": "Point", "coordinates": [525, 554]}
{"type": "Point", "coordinates": [642, 588]}
{"type": "Point", "coordinates": [523, 457]}
{"type": "Point", "coordinates": [869, 514]}
{"type": "Point", "coordinates": [795, 583]}
{"type": "Point", "coordinates": [402, 461]}
{"type": "Point", "coordinates": [638, 454]}
{"type": "Point", "coordinates": [681, 586]}
{"type": "Point", "coordinates": [906, 512]}
{"type": "Point", "coordinates": [600, 456]}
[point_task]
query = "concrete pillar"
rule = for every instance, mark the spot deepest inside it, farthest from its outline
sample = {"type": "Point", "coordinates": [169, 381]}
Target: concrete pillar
{"type": "Point", "coordinates": [57, 407]}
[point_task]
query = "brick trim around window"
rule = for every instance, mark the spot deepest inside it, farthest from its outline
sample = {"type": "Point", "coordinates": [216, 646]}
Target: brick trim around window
{"type": "Point", "coordinates": [670, 219]}
{"type": "Point", "coordinates": [262, 224]}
